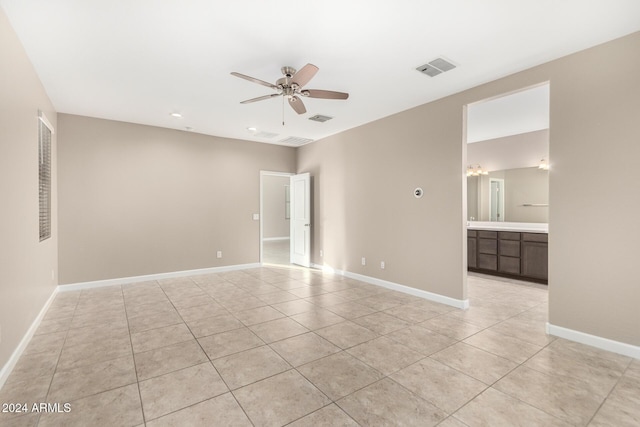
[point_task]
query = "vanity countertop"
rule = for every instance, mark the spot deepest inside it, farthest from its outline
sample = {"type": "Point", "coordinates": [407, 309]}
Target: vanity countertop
{"type": "Point", "coordinates": [523, 227]}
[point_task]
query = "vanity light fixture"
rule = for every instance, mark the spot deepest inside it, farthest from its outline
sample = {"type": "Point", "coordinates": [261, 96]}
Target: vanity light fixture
{"type": "Point", "coordinates": [476, 170]}
{"type": "Point", "coordinates": [544, 165]}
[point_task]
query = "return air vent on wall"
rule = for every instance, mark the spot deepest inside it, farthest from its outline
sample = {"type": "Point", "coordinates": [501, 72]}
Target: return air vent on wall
{"type": "Point", "coordinates": [263, 134]}
{"type": "Point", "coordinates": [295, 140]}
{"type": "Point", "coordinates": [435, 67]}
{"type": "Point", "coordinates": [320, 118]}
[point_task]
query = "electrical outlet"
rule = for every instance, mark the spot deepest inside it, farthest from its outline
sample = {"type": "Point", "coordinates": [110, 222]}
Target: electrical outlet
{"type": "Point", "coordinates": [364, 261]}
{"type": "Point", "coordinates": [256, 217]}
{"type": "Point", "coordinates": [219, 254]}
{"type": "Point", "coordinates": [321, 253]}
{"type": "Point", "coordinates": [382, 265]}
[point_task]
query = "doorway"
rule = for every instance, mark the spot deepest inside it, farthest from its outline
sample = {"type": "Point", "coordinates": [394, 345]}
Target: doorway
{"type": "Point", "coordinates": [275, 217]}
{"type": "Point", "coordinates": [496, 197]}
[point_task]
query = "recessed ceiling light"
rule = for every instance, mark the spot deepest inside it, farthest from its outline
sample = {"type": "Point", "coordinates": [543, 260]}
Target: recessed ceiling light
{"type": "Point", "coordinates": [177, 115]}
{"type": "Point", "coordinates": [252, 129]}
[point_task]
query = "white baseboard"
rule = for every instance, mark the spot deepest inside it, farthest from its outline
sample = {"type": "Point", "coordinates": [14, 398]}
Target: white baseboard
{"type": "Point", "coordinates": [15, 356]}
{"type": "Point", "coordinates": [159, 276]}
{"type": "Point", "coordinates": [273, 239]}
{"type": "Point", "coordinates": [457, 303]}
{"type": "Point", "coordinates": [594, 341]}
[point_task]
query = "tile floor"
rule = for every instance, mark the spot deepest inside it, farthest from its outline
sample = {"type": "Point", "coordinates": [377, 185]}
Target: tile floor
{"type": "Point", "coordinates": [276, 346]}
{"type": "Point", "coordinates": [276, 252]}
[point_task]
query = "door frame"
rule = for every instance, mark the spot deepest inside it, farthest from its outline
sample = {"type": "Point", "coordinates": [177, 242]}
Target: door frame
{"type": "Point", "coordinates": [263, 174]}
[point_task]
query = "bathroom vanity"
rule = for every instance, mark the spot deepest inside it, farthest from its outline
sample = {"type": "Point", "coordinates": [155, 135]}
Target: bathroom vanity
{"type": "Point", "coordinates": [516, 250]}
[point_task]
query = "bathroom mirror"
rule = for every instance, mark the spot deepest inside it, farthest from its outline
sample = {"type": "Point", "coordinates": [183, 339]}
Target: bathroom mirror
{"type": "Point", "coordinates": [511, 195]}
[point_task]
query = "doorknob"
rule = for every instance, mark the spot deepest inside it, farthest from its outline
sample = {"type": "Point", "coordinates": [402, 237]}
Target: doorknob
{"type": "Point", "coordinates": [306, 225]}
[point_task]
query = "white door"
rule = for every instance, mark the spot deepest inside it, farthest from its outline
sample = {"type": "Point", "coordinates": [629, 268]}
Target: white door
{"type": "Point", "coordinates": [300, 191]}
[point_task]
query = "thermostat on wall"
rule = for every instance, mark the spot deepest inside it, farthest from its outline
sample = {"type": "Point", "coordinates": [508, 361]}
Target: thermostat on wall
{"type": "Point", "coordinates": [418, 193]}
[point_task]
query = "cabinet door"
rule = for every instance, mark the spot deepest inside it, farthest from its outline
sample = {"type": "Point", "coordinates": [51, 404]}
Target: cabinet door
{"type": "Point", "coordinates": [535, 259]}
{"type": "Point", "coordinates": [472, 250]}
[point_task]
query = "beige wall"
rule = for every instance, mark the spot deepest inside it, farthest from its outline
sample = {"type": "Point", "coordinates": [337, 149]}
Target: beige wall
{"type": "Point", "coordinates": [274, 222]}
{"type": "Point", "coordinates": [364, 177]}
{"type": "Point", "coordinates": [138, 200]}
{"type": "Point", "coordinates": [26, 265]}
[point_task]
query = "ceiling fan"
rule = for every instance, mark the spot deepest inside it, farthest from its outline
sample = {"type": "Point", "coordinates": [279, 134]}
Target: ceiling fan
{"type": "Point", "coordinates": [291, 87]}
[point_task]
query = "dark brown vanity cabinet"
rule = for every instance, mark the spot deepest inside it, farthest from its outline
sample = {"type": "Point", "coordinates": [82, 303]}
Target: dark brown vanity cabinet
{"type": "Point", "coordinates": [508, 253]}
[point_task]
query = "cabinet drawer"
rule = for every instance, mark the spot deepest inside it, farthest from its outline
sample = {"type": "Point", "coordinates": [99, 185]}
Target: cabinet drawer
{"type": "Point", "coordinates": [535, 237]}
{"type": "Point", "coordinates": [487, 262]}
{"type": "Point", "coordinates": [510, 248]}
{"type": "Point", "coordinates": [488, 246]}
{"type": "Point", "coordinates": [488, 234]}
{"type": "Point", "coordinates": [509, 265]}
{"type": "Point", "coordinates": [508, 235]}
{"type": "Point", "coordinates": [472, 233]}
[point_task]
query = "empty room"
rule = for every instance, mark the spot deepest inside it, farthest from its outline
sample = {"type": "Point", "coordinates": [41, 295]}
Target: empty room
{"type": "Point", "coordinates": [268, 213]}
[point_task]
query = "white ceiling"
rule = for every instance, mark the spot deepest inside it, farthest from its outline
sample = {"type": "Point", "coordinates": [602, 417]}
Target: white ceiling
{"type": "Point", "coordinates": [140, 60]}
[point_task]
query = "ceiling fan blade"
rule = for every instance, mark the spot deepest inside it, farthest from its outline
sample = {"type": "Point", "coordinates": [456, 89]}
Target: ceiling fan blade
{"type": "Point", "coordinates": [304, 74]}
{"type": "Point", "coordinates": [324, 94]}
{"type": "Point", "coordinates": [297, 105]}
{"type": "Point", "coordinates": [252, 79]}
{"type": "Point", "coordinates": [260, 98]}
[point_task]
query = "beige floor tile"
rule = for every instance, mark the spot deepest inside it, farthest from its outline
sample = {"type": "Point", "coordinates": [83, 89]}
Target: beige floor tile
{"type": "Point", "coordinates": [531, 331]}
{"type": "Point", "coordinates": [381, 323]}
{"type": "Point", "coordinates": [279, 329]}
{"type": "Point", "coordinates": [480, 316]}
{"type": "Point", "coordinates": [242, 303]}
{"type": "Point", "coordinates": [179, 389]}
{"type": "Point", "coordinates": [325, 300]}
{"type": "Point", "coordinates": [601, 373]}
{"type": "Point", "coordinates": [385, 403]}
{"type": "Point", "coordinates": [182, 302]}
{"type": "Point", "coordinates": [622, 407]}
{"type": "Point", "coordinates": [160, 337]}
{"type": "Point", "coordinates": [91, 379]}
{"type": "Point", "coordinates": [250, 366]}
{"type": "Point", "coordinates": [21, 420]}
{"type": "Point", "coordinates": [280, 399]}
{"type": "Point", "coordinates": [304, 348]}
{"type": "Point", "coordinates": [496, 409]}
{"type": "Point", "coordinates": [476, 363]}
{"type": "Point", "coordinates": [440, 385]}
{"type": "Point", "coordinates": [421, 340]}
{"type": "Point", "coordinates": [201, 311]}
{"type": "Point", "coordinates": [452, 422]}
{"type": "Point", "coordinates": [162, 360]}
{"type": "Point", "coordinates": [34, 365]}
{"type": "Point", "coordinates": [277, 297]}
{"type": "Point", "coordinates": [33, 390]}
{"type": "Point", "coordinates": [566, 398]}
{"type": "Point", "coordinates": [380, 302]}
{"type": "Point", "coordinates": [317, 318]}
{"type": "Point", "coordinates": [113, 318]}
{"type": "Point", "coordinates": [330, 415]}
{"type": "Point", "coordinates": [346, 334]}
{"type": "Point", "coordinates": [258, 315]}
{"type": "Point", "coordinates": [54, 325]}
{"type": "Point", "coordinates": [222, 410]}
{"type": "Point", "coordinates": [146, 308]}
{"type": "Point", "coordinates": [307, 291]}
{"type": "Point", "coordinates": [230, 342]}
{"type": "Point", "coordinates": [451, 327]}
{"type": "Point", "coordinates": [339, 375]}
{"type": "Point", "coordinates": [118, 407]}
{"type": "Point", "coordinates": [152, 321]}
{"type": "Point", "coordinates": [94, 352]}
{"type": "Point", "coordinates": [350, 310]}
{"type": "Point", "coordinates": [95, 334]}
{"type": "Point", "coordinates": [214, 325]}
{"type": "Point", "coordinates": [294, 307]}
{"type": "Point", "coordinates": [413, 314]}
{"type": "Point", "coordinates": [503, 345]}
{"type": "Point", "coordinates": [46, 343]}
{"type": "Point", "coordinates": [385, 355]}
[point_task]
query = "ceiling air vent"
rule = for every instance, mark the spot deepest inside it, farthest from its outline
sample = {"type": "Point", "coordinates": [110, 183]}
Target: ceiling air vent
{"type": "Point", "coordinates": [263, 134]}
{"type": "Point", "coordinates": [295, 140]}
{"type": "Point", "coordinates": [320, 118]}
{"type": "Point", "coordinates": [435, 67]}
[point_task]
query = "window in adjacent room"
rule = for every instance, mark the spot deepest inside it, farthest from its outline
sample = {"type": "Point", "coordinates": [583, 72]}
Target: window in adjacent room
{"type": "Point", "coordinates": [45, 130]}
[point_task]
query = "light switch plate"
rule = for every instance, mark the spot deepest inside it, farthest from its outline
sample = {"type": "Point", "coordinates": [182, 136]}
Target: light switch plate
{"type": "Point", "coordinates": [256, 217]}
